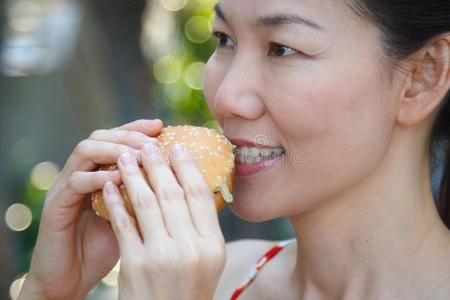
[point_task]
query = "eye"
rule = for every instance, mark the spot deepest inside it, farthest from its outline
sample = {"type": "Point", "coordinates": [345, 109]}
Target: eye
{"type": "Point", "coordinates": [280, 50]}
{"type": "Point", "coordinates": [224, 40]}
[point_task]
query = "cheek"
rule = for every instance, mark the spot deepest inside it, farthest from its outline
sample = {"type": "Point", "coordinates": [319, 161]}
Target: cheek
{"type": "Point", "coordinates": [340, 121]}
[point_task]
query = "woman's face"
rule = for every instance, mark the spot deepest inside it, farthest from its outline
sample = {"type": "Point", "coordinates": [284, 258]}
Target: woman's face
{"type": "Point", "coordinates": [304, 76]}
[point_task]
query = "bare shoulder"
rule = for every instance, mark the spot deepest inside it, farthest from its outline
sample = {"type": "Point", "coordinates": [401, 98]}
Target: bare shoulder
{"type": "Point", "coordinates": [241, 256]}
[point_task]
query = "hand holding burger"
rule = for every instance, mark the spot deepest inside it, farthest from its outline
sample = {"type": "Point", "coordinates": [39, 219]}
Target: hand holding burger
{"type": "Point", "coordinates": [212, 152]}
{"type": "Point", "coordinates": [173, 232]}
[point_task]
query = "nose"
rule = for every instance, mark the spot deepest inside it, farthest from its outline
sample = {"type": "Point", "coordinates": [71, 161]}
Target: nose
{"type": "Point", "coordinates": [239, 93]}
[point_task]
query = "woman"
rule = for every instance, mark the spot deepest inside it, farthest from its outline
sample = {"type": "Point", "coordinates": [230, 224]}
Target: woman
{"type": "Point", "coordinates": [357, 88]}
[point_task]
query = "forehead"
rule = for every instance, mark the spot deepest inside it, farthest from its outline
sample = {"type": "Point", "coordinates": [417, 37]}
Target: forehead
{"type": "Point", "coordinates": [327, 13]}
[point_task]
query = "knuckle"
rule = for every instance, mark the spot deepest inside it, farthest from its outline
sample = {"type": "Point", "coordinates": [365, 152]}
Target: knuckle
{"type": "Point", "coordinates": [100, 177]}
{"type": "Point", "coordinates": [123, 224]}
{"type": "Point", "coordinates": [72, 182]}
{"type": "Point", "coordinates": [97, 134]}
{"type": "Point", "coordinates": [141, 201]}
{"type": "Point", "coordinates": [82, 148]}
{"type": "Point", "coordinates": [170, 193]}
{"type": "Point", "coordinates": [198, 189]}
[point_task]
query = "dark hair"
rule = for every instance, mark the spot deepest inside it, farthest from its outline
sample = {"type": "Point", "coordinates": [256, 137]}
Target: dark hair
{"type": "Point", "coordinates": [406, 26]}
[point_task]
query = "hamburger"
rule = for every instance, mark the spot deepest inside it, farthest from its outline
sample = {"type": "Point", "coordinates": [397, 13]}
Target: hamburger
{"type": "Point", "coordinates": [212, 152]}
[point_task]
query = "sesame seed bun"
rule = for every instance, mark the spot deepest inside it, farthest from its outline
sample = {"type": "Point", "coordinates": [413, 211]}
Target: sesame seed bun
{"type": "Point", "coordinates": [212, 152]}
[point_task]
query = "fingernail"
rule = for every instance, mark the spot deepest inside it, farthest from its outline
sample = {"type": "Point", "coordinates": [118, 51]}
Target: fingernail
{"type": "Point", "coordinates": [110, 188]}
{"type": "Point", "coordinates": [178, 152]}
{"type": "Point", "coordinates": [150, 149]}
{"type": "Point", "coordinates": [177, 149]}
{"type": "Point", "coordinates": [126, 159]}
{"type": "Point", "coordinates": [148, 140]}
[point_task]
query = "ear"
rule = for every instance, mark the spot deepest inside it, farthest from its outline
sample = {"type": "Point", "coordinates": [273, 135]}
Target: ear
{"type": "Point", "coordinates": [427, 83]}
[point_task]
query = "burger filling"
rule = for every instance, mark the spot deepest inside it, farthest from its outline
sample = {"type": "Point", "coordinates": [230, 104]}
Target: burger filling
{"type": "Point", "coordinates": [226, 195]}
{"type": "Point", "coordinates": [249, 155]}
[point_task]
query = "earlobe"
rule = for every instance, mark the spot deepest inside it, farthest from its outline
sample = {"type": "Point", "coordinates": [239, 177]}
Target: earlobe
{"type": "Point", "coordinates": [427, 83]}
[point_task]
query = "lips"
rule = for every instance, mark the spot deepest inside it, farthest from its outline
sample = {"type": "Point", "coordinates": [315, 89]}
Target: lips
{"type": "Point", "coordinates": [242, 142]}
{"type": "Point", "coordinates": [251, 158]}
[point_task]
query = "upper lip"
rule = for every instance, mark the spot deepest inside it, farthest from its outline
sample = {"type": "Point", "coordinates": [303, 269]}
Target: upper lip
{"type": "Point", "coordinates": [242, 142]}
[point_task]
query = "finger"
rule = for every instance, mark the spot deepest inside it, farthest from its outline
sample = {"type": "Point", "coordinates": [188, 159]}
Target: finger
{"type": "Point", "coordinates": [122, 223]}
{"type": "Point", "coordinates": [198, 193]}
{"type": "Point", "coordinates": [168, 192]}
{"type": "Point", "coordinates": [88, 154]}
{"type": "Point", "coordinates": [134, 139]}
{"type": "Point", "coordinates": [88, 182]}
{"type": "Point", "coordinates": [145, 204]}
{"type": "Point", "coordinates": [147, 127]}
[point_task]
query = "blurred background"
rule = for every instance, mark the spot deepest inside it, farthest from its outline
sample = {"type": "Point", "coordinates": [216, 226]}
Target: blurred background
{"type": "Point", "coordinates": [68, 67]}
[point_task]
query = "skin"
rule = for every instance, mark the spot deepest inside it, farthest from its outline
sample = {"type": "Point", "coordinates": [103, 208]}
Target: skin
{"type": "Point", "coordinates": [75, 248]}
{"type": "Point", "coordinates": [359, 199]}
{"type": "Point", "coordinates": [173, 250]}
{"type": "Point", "coordinates": [358, 195]}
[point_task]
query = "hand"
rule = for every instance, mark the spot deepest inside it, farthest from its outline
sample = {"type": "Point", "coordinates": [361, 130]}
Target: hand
{"type": "Point", "coordinates": [75, 248]}
{"type": "Point", "coordinates": [174, 249]}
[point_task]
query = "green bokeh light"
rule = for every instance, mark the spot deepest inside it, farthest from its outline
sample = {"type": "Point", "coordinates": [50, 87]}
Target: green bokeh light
{"type": "Point", "coordinates": [194, 75]}
{"type": "Point", "coordinates": [167, 69]}
{"type": "Point", "coordinates": [173, 5]}
{"type": "Point", "coordinates": [198, 29]}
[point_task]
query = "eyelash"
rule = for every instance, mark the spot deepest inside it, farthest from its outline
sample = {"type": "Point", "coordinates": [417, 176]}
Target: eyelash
{"type": "Point", "coordinates": [274, 47]}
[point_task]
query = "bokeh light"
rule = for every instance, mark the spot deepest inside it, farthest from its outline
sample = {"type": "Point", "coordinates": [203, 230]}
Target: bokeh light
{"type": "Point", "coordinates": [194, 75]}
{"type": "Point", "coordinates": [16, 286]}
{"type": "Point", "coordinates": [213, 124]}
{"type": "Point", "coordinates": [18, 217]}
{"type": "Point", "coordinates": [167, 69]}
{"type": "Point", "coordinates": [198, 29]}
{"type": "Point", "coordinates": [24, 15]}
{"type": "Point", "coordinates": [211, 19]}
{"type": "Point", "coordinates": [177, 94]}
{"type": "Point", "coordinates": [173, 5]}
{"type": "Point", "coordinates": [113, 275]}
{"type": "Point", "coordinates": [43, 175]}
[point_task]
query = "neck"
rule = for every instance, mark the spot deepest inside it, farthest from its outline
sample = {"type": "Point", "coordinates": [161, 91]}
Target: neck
{"type": "Point", "coordinates": [376, 237]}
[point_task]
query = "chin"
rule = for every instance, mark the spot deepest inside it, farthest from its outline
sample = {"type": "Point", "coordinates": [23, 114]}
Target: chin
{"type": "Point", "coordinates": [252, 208]}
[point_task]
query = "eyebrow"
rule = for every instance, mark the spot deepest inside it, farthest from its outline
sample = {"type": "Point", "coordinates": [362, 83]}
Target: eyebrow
{"type": "Point", "coordinates": [219, 12]}
{"type": "Point", "coordinates": [276, 20]}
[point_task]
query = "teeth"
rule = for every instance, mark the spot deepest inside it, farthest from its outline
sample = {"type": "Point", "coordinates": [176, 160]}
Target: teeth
{"type": "Point", "coordinates": [250, 155]}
